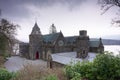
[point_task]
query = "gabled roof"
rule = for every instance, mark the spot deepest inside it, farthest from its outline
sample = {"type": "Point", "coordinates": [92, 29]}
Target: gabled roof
{"type": "Point", "coordinates": [94, 42]}
{"type": "Point", "coordinates": [70, 39]}
{"type": "Point", "coordinates": [51, 37]}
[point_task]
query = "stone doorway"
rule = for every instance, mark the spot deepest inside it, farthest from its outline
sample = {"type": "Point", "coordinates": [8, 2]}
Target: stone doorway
{"type": "Point", "coordinates": [37, 55]}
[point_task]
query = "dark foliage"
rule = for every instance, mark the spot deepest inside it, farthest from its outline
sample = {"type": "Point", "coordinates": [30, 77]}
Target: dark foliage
{"type": "Point", "coordinates": [104, 67]}
{"type": "Point", "coordinates": [109, 2]}
{"type": "Point", "coordinates": [7, 35]}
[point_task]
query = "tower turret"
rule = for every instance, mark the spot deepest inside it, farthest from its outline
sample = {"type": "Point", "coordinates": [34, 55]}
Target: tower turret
{"type": "Point", "coordinates": [36, 30]}
{"type": "Point", "coordinates": [52, 29]}
{"type": "Point", "coordinates": [35, 41]}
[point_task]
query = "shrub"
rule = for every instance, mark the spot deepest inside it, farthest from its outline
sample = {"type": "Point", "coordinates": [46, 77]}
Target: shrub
{"type": "Point", "coordinates": [80, 70]}
{"type": "Point", "coordinates": [39, 72]}
{"type": "Point", "coordinates": [5, 75]}
{"type": "Point", "coordinates": [51, 77]}
{"type": "Point", "coordinates": [108, 66]}
{"type": "Point", "coordinates": [104, 67]}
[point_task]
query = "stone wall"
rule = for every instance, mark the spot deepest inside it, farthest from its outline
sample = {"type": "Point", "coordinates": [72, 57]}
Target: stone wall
{"type": "Point", "coordinates": [53, 64]}
{"type": "Point", "coordinates": [24, 49]}
{"type": "Point", "coordinates": [35, 45]}
{"type": "Point", "coordinates": [82, 46]}
{"type": "Point", "coordinates": [56, 64]}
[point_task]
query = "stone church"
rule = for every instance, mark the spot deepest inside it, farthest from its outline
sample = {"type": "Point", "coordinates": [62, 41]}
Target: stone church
{"type": "Point", "coordinates": [41, 46]}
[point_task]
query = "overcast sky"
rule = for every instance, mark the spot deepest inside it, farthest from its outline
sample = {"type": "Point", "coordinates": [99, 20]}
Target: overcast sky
{"type": "Point", "coordinates": [69, 16]}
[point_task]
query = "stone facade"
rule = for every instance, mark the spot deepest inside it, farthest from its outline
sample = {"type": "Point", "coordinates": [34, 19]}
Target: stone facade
{"type": "Point", "coordinates": [35, 43]}
{"type": "Point", "coordinates": [41, 46]}
{"type": "Point", "coordinates": [24, 49]}
{"type": "Point", "coordinates": [82, 44]}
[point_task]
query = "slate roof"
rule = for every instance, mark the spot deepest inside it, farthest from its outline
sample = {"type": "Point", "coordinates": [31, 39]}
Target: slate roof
{"type": "Point", "coordinates": [70, 39]}
{"type": "Point", "coordinates": [67, 57]}
{"type": "Point", "coordinates": [35, 28]}
{"type": "Point", "coordinates": [94, 42]}
{"type": "Point", "coordinates": [50, 37]}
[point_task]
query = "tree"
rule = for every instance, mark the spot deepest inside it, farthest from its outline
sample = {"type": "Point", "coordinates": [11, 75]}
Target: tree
{"type": "Point", "coordinates": [107, 4]}
{"type": "Point", "coordinates": [110, 2]}
{"type": "Point", "coordinates": [7, 36]}
{"type": "Point", "coordinates": [52, 29]}
{"type": "Point", "coordinates": [104, 67]}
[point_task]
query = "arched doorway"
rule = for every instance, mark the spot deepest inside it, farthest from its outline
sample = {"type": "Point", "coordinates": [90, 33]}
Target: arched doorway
{"type": "Point", "coordinates": [37, 55]}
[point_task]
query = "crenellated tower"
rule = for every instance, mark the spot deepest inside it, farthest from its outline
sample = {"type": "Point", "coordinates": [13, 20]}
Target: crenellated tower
{"type": "Point", "coordinates": [35, 43]}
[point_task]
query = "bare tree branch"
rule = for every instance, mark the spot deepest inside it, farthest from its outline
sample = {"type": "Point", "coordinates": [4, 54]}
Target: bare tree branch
{"type": "Point", "coordinates": [8, 30]}
{"type": "Point", "coordinates": [106, 5]}
{"type": "Point", "coordinates": [106, 8]}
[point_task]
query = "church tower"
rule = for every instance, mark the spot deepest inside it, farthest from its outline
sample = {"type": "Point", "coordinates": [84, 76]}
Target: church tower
{"type": "Point", "coordinates": [82, 44]}
{"type": "Point", "coordinates": [35, 43]}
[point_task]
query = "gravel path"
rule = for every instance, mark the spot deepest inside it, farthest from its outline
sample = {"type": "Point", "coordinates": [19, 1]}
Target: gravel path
{"type": "Point", "coordinates": [15, 63]}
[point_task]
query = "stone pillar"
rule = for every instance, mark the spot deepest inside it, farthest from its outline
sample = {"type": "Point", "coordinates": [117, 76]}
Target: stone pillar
{"type": "Point", "coordinates": [49, 61]}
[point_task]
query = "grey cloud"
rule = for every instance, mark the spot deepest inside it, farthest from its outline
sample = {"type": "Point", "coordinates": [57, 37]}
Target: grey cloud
{"type": "Point", "coordinates": [48, 3]}
{"type": "Point", "coordinates": [13, 8]}
{"type": "Point", "coordinates": [16, 8]}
